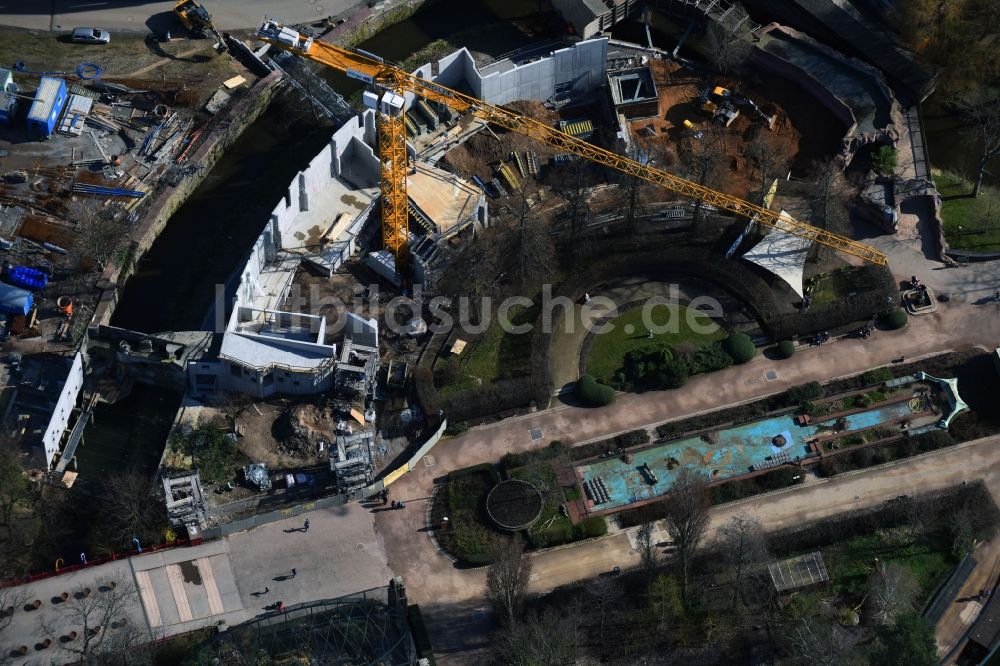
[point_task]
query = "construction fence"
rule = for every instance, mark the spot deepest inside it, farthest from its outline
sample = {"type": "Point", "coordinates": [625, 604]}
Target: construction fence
{"type": "Point", "coordinates": [219, 531]}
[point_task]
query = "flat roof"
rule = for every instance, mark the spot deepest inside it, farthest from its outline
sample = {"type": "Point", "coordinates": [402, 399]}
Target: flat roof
{"type": "Point", "coordinates": [442, 196]}
{"type": "Point", "coordinates": [260, 352]}
{"type": "Point", "coordinates": [797, 572]}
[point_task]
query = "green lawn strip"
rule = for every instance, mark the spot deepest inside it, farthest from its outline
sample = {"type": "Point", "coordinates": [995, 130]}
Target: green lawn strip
{"type": "Point", "coordinates": [850, 562]}
{"type": "Point", "coordinates": [496, 354]}
{"type": "Point", "coordinates": [969, 224]}
{"type": "Point", "coordinates": [608, 352]}
{"type": "Point", "coordinates": [832, 287]}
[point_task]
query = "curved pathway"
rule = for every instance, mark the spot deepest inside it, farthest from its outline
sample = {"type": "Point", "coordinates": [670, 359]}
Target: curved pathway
{"type": "Point", "coordinates": [452, 597]}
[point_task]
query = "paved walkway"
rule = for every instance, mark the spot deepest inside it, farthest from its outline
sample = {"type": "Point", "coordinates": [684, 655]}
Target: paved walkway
{"type": "Point", "coordinates": [452, 598]}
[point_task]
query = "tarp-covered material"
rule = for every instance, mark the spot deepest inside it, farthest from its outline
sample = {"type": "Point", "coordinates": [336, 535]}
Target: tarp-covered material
{"type": "Point", "coordinates": [783, 254]}
{"type": "Point", "coordinates": [14, 301]}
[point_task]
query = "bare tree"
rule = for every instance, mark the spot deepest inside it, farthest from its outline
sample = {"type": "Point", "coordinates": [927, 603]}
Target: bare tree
{"type": "Point", "coordinates": [830, 194]}
{"type": "Point", "coordinates": [527, 243]}
{"type": "Point", "coordinates": [232, 405]}
{"type": "Point", "coordinates": [648, 553]}
{"type": "Point", "coordinates": [607, 594]}
{"type": "Point", "coordinates": [108, 621]}
{"type": "Point", "coordinates": [570, 184]}
{"type": "Point", "coordinates": [983, 108]}
{"type": "Point", "coordinates": [819, 642]}
{"type": "Point", "coordinates": [892, 589]}
{"type": "Point", "coordinates": [726, 44]}
{"type": "Point", "coordinates": [507, 578]}
{"type": "Point", "coordinates": [768, 157]}
{"type": "Point", "coordinates": [131, 508]}
{"type": "Point", "coordinates": [15, 489]}
{"type": "Point", "coordinates": [665, 600]}
{"type": "Point", "coordinates": [687, 520]}
{"type": "Point", "coordinates": [743, 547]}
{"type": "Point", "coordinates": [102, 238]}
{"type": "Point", "coordinates": [546, 639]}
{"type": "Point", "coordinates": [703, 160]}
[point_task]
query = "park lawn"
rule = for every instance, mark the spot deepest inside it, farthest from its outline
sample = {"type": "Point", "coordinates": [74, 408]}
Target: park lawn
{"type": "Point", "coordinates": [849, 563]}
{"type": "Point", "coordinates": [832, 287]}
{"type": "Point", "coordinates": [607, 354]}
{"type": "Point", "coordinates": [969, 224]}
{"type": "Point", "coordinates": [496, 354]}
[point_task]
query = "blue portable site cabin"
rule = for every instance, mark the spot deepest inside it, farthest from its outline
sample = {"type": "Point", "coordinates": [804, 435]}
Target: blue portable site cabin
{"type": "Point", "coordinates": [14, 301]}
{"type": "Point", "coordinates": [48, 104]}
{"type": "Point", "coordinates": [8, 99]}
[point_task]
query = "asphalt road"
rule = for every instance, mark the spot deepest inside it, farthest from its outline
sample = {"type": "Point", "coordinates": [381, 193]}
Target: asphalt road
{"type": "Point", "coordinates": [142, 16]}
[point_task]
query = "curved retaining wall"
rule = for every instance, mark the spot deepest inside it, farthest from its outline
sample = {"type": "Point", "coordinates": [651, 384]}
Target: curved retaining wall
{"type": "Point", "coordinates": [221, 133]}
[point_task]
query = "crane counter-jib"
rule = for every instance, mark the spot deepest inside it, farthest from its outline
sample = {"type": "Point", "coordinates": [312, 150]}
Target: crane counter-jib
{"type": "Point", "coordinates": [386, 75]}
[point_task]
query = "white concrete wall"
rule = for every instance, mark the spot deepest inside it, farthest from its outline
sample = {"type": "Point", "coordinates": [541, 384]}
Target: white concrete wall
{"type": "Point", "coordinates": [63, 409]}
{"type": "Point", "coordinates": [582, 65]}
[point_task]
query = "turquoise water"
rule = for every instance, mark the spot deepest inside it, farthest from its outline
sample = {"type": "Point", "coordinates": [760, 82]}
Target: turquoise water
{"type": "Point", "coordinates": [736, 451]}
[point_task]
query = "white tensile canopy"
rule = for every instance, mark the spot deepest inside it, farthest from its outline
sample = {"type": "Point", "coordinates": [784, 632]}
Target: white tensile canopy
{"type": "Point", "coordinates": [783, 254]}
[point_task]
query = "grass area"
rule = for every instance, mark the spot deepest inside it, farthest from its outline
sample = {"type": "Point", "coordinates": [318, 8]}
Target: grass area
{"type": "Point", "coordinates": [184, 64]}
{"type": "Point", "coordinates": [832, 287]}
{"type": "Point", "coordinates": [969, 224]}
{"type": "Point", "coordinates": [629, 332]}
{"type": "Point", "coordinates": [849, 562]}
{"type": "Point", "coordinates": [496, 354]}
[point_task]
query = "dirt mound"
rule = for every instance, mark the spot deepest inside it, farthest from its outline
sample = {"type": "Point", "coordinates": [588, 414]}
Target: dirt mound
{"type": "Point", "coordinates": [299, 429]}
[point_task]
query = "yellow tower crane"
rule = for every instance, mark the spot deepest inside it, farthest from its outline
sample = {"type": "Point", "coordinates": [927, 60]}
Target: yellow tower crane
{"type": "Point", "coordinates": [392, 145]}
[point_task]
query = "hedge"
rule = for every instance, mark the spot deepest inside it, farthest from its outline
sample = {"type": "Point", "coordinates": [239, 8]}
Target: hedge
{"type": "Point", "coordinates": [593, 526]}
{"type": "Point", "coordinates": [786, 348]}
{"type": "Point", "coordinates": [594, 394]}
{"type": "Point", "coordinates": [626, 440]}
{"type": "Point", "coordinates": [421, 638]}
{"type": "Point", "coordinates": [740, 347]}
{"type": "Point", "coordinates": [893, 319]}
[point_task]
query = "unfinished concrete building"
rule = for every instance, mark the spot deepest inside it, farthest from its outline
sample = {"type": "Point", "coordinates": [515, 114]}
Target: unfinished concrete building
{"type": "Point", "coordinates": [184, 500]}
{"type": "Point", "coordinates": [633, 93]}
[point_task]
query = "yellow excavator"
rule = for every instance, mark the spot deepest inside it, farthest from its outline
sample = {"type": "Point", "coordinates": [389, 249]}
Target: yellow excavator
{"type": "Point", "coordinates": [395, 82]}
{"type": "Point", "coordinates": [197, 20]}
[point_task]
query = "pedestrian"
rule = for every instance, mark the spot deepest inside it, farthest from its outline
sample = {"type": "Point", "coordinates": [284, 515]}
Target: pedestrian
{"type": "Point", "coordinates": [266, 589]}
{"type": "Point", "coordinates": [306, 527]}
{"type": "Point", "coordinates": [294, 573]}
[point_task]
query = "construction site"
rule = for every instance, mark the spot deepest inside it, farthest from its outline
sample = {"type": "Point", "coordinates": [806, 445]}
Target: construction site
{"type": "Point", "coordinates": [438, 167]}
{"type": "Point", "coordinates": [287, 257]}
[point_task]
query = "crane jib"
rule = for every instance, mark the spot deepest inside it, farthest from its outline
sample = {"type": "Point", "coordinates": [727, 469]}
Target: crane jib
{"type": "Point", "coordinates": [401, 81]}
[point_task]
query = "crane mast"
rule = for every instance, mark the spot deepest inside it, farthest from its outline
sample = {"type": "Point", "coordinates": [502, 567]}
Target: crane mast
{"type": "Point", "coordinates": [392, 145]}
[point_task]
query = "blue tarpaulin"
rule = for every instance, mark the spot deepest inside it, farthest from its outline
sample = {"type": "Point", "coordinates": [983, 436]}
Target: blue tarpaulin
{"type": "Point", "coordinates": [14, 301]}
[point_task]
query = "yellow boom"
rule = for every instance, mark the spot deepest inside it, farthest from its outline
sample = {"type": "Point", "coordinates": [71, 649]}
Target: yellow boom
{"type": "Point", "coordinates": [372, 69]}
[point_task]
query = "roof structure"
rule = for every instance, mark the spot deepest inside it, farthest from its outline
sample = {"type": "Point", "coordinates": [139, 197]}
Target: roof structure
{"type": "Point", "coordinates": [783, 254]}
{"type": "Point", "coordinates": [797, 572]}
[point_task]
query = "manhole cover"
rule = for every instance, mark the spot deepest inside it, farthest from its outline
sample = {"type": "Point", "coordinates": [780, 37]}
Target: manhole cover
{"type": "Point", "coordinates": [535, 433]}
{"type": "Point", "coordinates": [770, 375]}
{"type": "Point", "coordinates": [360, 546]}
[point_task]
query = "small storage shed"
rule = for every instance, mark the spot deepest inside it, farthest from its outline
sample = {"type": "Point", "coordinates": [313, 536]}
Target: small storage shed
{"type": "Point", "coordinates": [48, 104]}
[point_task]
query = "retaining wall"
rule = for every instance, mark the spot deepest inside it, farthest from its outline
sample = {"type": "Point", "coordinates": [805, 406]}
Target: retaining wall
{"type": "Point", "coordinates": [222, 132]}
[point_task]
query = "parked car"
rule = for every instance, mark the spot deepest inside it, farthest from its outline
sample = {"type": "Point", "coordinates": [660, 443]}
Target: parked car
{"type": "Point", "coordinates": [90, 36]}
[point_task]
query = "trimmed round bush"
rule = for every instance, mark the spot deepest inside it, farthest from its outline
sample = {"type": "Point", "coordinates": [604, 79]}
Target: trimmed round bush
{"type": "Point", "coordinates": [740, 347]}
{"type": "Point", "coordinates": [593, 393]}
{"type": "Point", "coordinates": [786, 348]}
{"type": "Point", "coordinates": [893, 319]}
